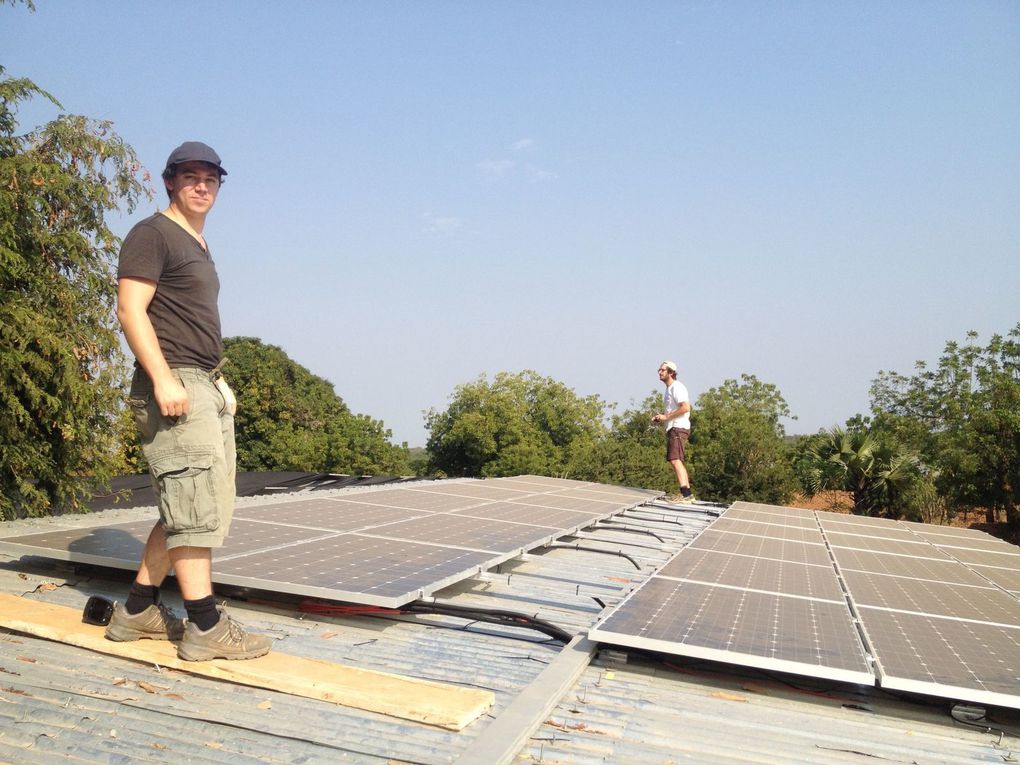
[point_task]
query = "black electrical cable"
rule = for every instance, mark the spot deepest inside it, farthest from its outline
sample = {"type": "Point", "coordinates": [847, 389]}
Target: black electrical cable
{"type": "Point", "coordinates": [982, 723]}
{"type": "Point", "coordinates": [564, 546]}
{"type": "Point", "coordinates": [490, 616]}
{"type": "Point", "coordinates": [611, 522]}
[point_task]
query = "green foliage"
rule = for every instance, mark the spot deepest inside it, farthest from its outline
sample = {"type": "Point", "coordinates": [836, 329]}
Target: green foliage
{"type": "Point", "coordinates": [631, 453]}
{"type": "Point", "coordinates": [924, 503]}
{"type": "Point", "coordinates": [865, 461]}
{"type": "Point", "coordinates": [290, 419]}
{"type": "Point", "coordinates": [519, 424]}
{"type": "Point", "coordinates": [963, 416]}
{"type": "Point", "coordinates": [61, 371]}
{"type": "Point", "coordinates": [737, 449]}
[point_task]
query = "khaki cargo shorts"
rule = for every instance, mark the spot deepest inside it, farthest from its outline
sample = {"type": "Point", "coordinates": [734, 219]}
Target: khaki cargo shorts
{"type": "Point", "coordinates": [192, 459]}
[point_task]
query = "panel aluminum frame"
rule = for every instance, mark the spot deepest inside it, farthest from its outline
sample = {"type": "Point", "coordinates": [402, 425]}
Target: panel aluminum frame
{"type": "Point", "coordinates": [671, 617]}
{"type": "Point", "coordinates": [369, 524]}
{"type": "Point", "coordinates": [957, 659]}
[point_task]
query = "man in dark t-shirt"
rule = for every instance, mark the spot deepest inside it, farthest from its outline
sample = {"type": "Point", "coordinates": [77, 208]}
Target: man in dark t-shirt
{"type": "Point", "coordinates": [184, 411]}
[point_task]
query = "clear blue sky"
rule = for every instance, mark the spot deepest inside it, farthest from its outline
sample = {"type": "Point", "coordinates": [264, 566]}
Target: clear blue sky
{"type": "Point", "coordinates": [421, 192]}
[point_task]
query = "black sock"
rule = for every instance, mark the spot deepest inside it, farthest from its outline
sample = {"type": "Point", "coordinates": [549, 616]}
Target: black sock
{"type": "Point", "coordinates": [685, 491]}
{"type": "Point", "coordinates": [140, 597]}
{"type": "Point", "coordinates": [202, 612]}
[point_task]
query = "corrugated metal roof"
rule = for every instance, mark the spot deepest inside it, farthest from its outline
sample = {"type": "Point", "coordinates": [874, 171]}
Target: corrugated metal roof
{"type": "Point", "coordinates": [61, 704]}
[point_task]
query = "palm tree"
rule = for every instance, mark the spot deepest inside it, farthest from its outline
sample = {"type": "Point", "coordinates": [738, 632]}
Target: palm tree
{"type": "Point", "coordinates": [876, 470]}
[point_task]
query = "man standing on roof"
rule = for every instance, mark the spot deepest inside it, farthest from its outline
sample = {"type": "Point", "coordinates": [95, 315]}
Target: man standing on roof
{"type": "Point", "coordinates": [167, 306]}
{"type": "Point", "coordinates": [677, 416]}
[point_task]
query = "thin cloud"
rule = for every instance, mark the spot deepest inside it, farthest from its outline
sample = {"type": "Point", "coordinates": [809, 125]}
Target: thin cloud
{"type": "Point", "coordinates": [537, 174]}
{"type": "Point", "coordinates": [523, 144]}
{"type": "Point", "coordinates": [496, 168]}
{"type": "Point", "coordinates": [446, 225]}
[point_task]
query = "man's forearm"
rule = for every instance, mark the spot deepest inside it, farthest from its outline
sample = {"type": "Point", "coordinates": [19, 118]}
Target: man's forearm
{"type": "Point", "coordinates": [141, 339]}
{"type": "Point", "coordinates": [680, 411]}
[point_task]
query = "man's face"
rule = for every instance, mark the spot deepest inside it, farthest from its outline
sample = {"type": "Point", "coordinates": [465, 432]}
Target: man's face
{"type": "Point", "coordinates": [193, 187]}
{"type": "Point", "coordinates": [663, 373]}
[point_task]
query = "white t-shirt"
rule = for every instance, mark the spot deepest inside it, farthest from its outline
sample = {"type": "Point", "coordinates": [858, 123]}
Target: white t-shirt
{"type": "Point", "coordinates": [676, 394]}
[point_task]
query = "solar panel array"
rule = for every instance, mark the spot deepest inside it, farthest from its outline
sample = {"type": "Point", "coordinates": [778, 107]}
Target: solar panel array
{"type": "Point", "coordinates": [913, 607]}
{"type": "Point", "coordinates": [384, 547]}
{"type": "Point", "coordinates": [933, 605]}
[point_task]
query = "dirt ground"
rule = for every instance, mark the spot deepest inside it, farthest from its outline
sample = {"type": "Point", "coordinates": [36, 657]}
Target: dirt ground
{"type": "Point", "coordinates": [839, 502]}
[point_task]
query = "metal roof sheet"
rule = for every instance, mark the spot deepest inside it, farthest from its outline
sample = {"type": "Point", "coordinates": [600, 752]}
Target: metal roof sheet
{"type": "Point", "coordinates": [60, 704]}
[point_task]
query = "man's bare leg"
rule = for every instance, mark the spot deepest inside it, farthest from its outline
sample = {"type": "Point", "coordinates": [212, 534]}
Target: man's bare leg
{"type": "Point", "coordinates": [681, 474]}
{"type": "Point", "coordinates": [155, 560]}
{"type": "Point", "coordinates": [193, 567]}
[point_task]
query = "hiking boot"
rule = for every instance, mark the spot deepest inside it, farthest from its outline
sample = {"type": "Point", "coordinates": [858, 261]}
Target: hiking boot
{"type": "Point", "coordinates": [157, 622]}
{"type": "Point", "coordinates": [227, 639]}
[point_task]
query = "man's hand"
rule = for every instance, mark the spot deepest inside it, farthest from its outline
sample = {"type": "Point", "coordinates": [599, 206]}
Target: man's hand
{"type": "Point", "coordinates": [656, 418]}
{"type": "Point", "coordinates": [171, 397]}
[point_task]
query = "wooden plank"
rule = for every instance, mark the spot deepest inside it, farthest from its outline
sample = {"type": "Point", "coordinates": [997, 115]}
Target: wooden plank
{"type": "Point", "coordinates": [439, 704]}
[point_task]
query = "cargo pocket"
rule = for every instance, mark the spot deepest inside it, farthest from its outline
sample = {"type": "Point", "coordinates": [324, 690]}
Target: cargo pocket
{"type": "Point", "coordinates": [146, 422]}
{"type": "Point", "coordinates": [187, 491]}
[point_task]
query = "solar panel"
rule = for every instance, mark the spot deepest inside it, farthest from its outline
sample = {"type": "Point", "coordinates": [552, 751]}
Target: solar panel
{"type": "Point", "coordinates": [775, 509]}
{"type": "Point", "coordinates": [475, 490]}
{"type": "Point", "coordinates": [959, 659]}
{"type": "Point", "coordinates": [882, 532]}
{"type": "Point", "coordinates": [983, 542]}
{"type": "Point", "coordinates": [984, 557]}
{"type": "Point", "coordinates": [414, 499]}
{"type": "Point", "coordinates": [949, 531]}
{"type": "Point", "coordinates": [916, 549]}
{"type": "Point", "coordinates": [711, 567]}
{"type": "Point", "coordinates": [621, 492]}
{"type": "Point", "coordinates": [753, 589]}
{"type": "Point", "coordinates": [801, 635]}
{"type": "Point", "coordinates": [250, 536]}
{"type": "Point", "coordinates": [938, 570]}
{"type": "Point", "coordinates": [119, 545]}
{"type": "Point", "coordinates": [331, 515]}
{"type": "Point", "coordinates": [771, 530]}
{"type": "Point", "coordinates": [380, 546]}
{"type": "Point", "coordinates": [571, 503]}
{"type": "Point", "coordinates": [783, 520]}
{"type": "Point", "coordinates": [988, 604]}
{"type": "Point", "coordinates": [354, 568]}
{"type": "Point", "coordinates": [761, 547]}
{"type": "Point", "coordinates": [567, 520]}
{"type": "Point", "coordinates": [596, 496]}
{"type": "Point", "coordinates": [856, 520]}
{"type": "Point", "coordinates": [551, 483]}
{"type": "Point", "coordinates": [470, 533]}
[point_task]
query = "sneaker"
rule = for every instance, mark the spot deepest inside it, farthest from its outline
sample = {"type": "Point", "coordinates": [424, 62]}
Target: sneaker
{"type": "Point", "coordinates": [226, 639]}
{"type": "Point", "coordinates": [157, 622]}
{"type": "Point", "coordinates": [688, 500]}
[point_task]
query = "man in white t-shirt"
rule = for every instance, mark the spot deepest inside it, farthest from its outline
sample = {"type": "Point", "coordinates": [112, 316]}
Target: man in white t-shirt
{"type": "Point", "coordinates": [677, 416]}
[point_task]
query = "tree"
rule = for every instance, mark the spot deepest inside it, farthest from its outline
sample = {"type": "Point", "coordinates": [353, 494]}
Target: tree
{"type": "Point", "coordinates": [865, 461]}
{"type": "Point", "coordinates": [290, 419]}
{"type": "Point", "coordinates": [631, 453]}
{"type": "Point", "coordinates": [519, 424]}
{"type": "Point", "coordinates": [963, 416]}
{"type": "Point", "coordinates": [737, 451]}
{"type": "Point", "coordinates": [61, 370]}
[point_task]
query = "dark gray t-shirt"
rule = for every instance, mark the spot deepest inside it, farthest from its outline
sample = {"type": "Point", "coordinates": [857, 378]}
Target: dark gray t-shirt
{"type": "Point", "coordinates": [184, 310]}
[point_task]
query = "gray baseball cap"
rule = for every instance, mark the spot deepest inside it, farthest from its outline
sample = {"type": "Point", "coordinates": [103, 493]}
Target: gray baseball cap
{"type": "Point", "coordinates": [193, 151]}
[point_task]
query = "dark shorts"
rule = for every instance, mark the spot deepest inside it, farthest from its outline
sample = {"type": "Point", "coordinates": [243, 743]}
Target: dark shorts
{"type": "Point", "coordinates": [676, 444]}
